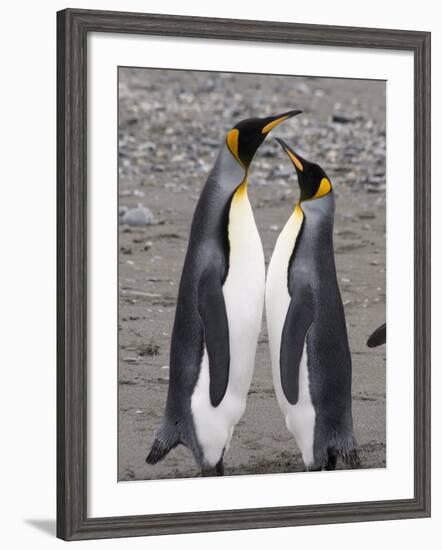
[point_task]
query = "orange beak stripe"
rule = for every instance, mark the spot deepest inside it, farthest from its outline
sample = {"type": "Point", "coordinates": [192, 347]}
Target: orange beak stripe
{"type": "Point", "coordinates": [272, 124]}
{"type": "Point", "coordinates": [295, 161]}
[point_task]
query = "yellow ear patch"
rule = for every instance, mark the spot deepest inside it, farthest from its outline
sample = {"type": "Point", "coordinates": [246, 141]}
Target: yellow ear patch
{"type": "Point", "coordinates": [295, 161]}
{"type": "Point", "coordinates": [323, 189]}
{"type": "Point", "coordinates": [272, 124]}
{"type": "Point", "coordinates": [232, 143]}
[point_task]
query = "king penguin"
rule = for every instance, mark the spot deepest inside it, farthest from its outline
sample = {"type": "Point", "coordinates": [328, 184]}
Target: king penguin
{"type": "Point", "coordinates": [219, 308]}
{"type": "Point", "coordinates": [311, 362]}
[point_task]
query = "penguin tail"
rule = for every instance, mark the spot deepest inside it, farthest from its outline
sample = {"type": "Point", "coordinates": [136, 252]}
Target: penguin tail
{"type": "Point", "coordinates": [165, 439]}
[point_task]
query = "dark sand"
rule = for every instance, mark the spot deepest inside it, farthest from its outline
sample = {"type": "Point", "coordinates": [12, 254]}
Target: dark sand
{"type": "Point", "coordinates": [171, 124]}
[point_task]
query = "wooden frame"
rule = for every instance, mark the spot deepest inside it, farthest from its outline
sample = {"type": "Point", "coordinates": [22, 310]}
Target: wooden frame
{"type": "Point", "coordinates": [73, 27]}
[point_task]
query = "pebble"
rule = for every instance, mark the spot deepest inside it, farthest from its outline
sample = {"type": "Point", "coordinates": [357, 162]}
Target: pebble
{"type": "Point", "coordinates": [348, 142]}
{"type": "Point", "coordinates": [139, 216]}
{"type": "Point", "coordinates": [341, 118]}
{"type": "Point", "coordinates": [366, 215]}
{"type": "Point", "coordinates": [148, 146]}
{"type": "Point", "coordinates": [302, 88]}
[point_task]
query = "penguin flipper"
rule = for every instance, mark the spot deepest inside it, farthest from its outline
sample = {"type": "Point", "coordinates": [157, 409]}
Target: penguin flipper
{"type": "Point", "coordinates": [212, 309]}
{"type": "Point", "coordinates": [378, 337]}
{"type": "Point", "coordinates": [297, 322]}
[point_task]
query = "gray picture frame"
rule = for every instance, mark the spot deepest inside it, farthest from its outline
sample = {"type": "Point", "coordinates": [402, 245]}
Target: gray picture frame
{"type": "Point", "coordinates": [73, 27]}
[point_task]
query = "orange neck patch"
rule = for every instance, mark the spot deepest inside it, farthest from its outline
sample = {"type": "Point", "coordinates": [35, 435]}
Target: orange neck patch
{"type": "Point", "coordinates": [232, 143]}
{"type": "Point", "coordinates": [323, 189]}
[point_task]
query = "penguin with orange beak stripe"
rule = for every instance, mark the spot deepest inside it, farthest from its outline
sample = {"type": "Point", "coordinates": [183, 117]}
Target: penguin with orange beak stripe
{"type": "Point", "coordinates": [219, 308]}
{"type": "Point", "coordinates": [311, 362]}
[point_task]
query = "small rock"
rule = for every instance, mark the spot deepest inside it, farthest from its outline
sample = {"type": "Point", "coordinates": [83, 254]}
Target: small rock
{"type": "Point", "coordinates": [366, 216]}
{"type": "Point", "coordinates": [302, 88]}
{"type": "Point", "coordinates": [211, 143]}
{"type": "Point", "coordinates": [375, 188]}
{"type": "Point", "coordinates": [341, 118]}
{"type": "Point", "coordinates": [147, 146]}
{"type": "Point", "coordinates": [138, 216]}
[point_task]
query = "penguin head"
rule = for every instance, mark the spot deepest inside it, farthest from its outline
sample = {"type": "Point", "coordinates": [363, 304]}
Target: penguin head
{"type": "Point", "coordinates": [313, 181]}
{"type": "Point", "coordinates": [247, 135]}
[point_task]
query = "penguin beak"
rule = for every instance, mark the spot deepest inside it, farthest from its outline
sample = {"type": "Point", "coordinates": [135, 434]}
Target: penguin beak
{"type": "Point", "coordinates": [271, 122]}
{"type": "Point", "coordinates": [297, 162]}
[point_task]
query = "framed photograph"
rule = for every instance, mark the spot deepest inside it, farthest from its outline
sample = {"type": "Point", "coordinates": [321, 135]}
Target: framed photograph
{"type": "Point", "coordinates": [243, 207]}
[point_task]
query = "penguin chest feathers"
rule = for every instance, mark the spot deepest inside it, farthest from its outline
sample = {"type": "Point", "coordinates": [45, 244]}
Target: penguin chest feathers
{"type": "Point", "coordinates": [278, 297]}
{"type": "Point", "coordinates": [243, 288]}
{"type": "Point", "coordinates": [277, 292]}
{"type": "Point", "coordinates": [300, 418]}
{"type": "Point", "coordinates": [243, 293]}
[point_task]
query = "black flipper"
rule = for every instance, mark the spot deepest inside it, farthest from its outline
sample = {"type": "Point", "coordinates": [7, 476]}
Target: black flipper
{"type": "Point", "coordinates": [378, 337]}
{"type": "Point", "coordinates": [213, 314]}
{"type": "Point", "coordinates": [297, 322]}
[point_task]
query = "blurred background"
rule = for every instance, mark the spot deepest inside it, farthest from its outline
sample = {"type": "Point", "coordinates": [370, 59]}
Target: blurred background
{"type": "Point", "coordinates": [171, 125]}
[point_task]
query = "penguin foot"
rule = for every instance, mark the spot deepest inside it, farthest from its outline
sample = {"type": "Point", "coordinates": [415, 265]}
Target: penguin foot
{"type": "Point", "coordinates": [216, 471]}
{"type": "Point", "coordinates": [220, 468]}
{"type": "Point", "coordinates": [330, 464]}
{"type": "Point", "coordinates": [332, 460]}
{"type": "Point", "coordinates": [208, 472]}
{"type": "Point", "coordinates": [312, 468]}
{"type": "Point", "coordinates": [353, 459]}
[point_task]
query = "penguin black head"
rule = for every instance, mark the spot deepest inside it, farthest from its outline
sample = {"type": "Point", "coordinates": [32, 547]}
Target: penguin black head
{"type": "Point", "coordinates": [245, 137]}
{"type": "Point", "coordinates": [313, 181]}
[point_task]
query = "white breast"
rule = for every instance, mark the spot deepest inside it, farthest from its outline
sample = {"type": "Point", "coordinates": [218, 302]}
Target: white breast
{"type": "Point", "coordinates": [243, 293]}
{"type": "Point", "coordinates": [299, 418]}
